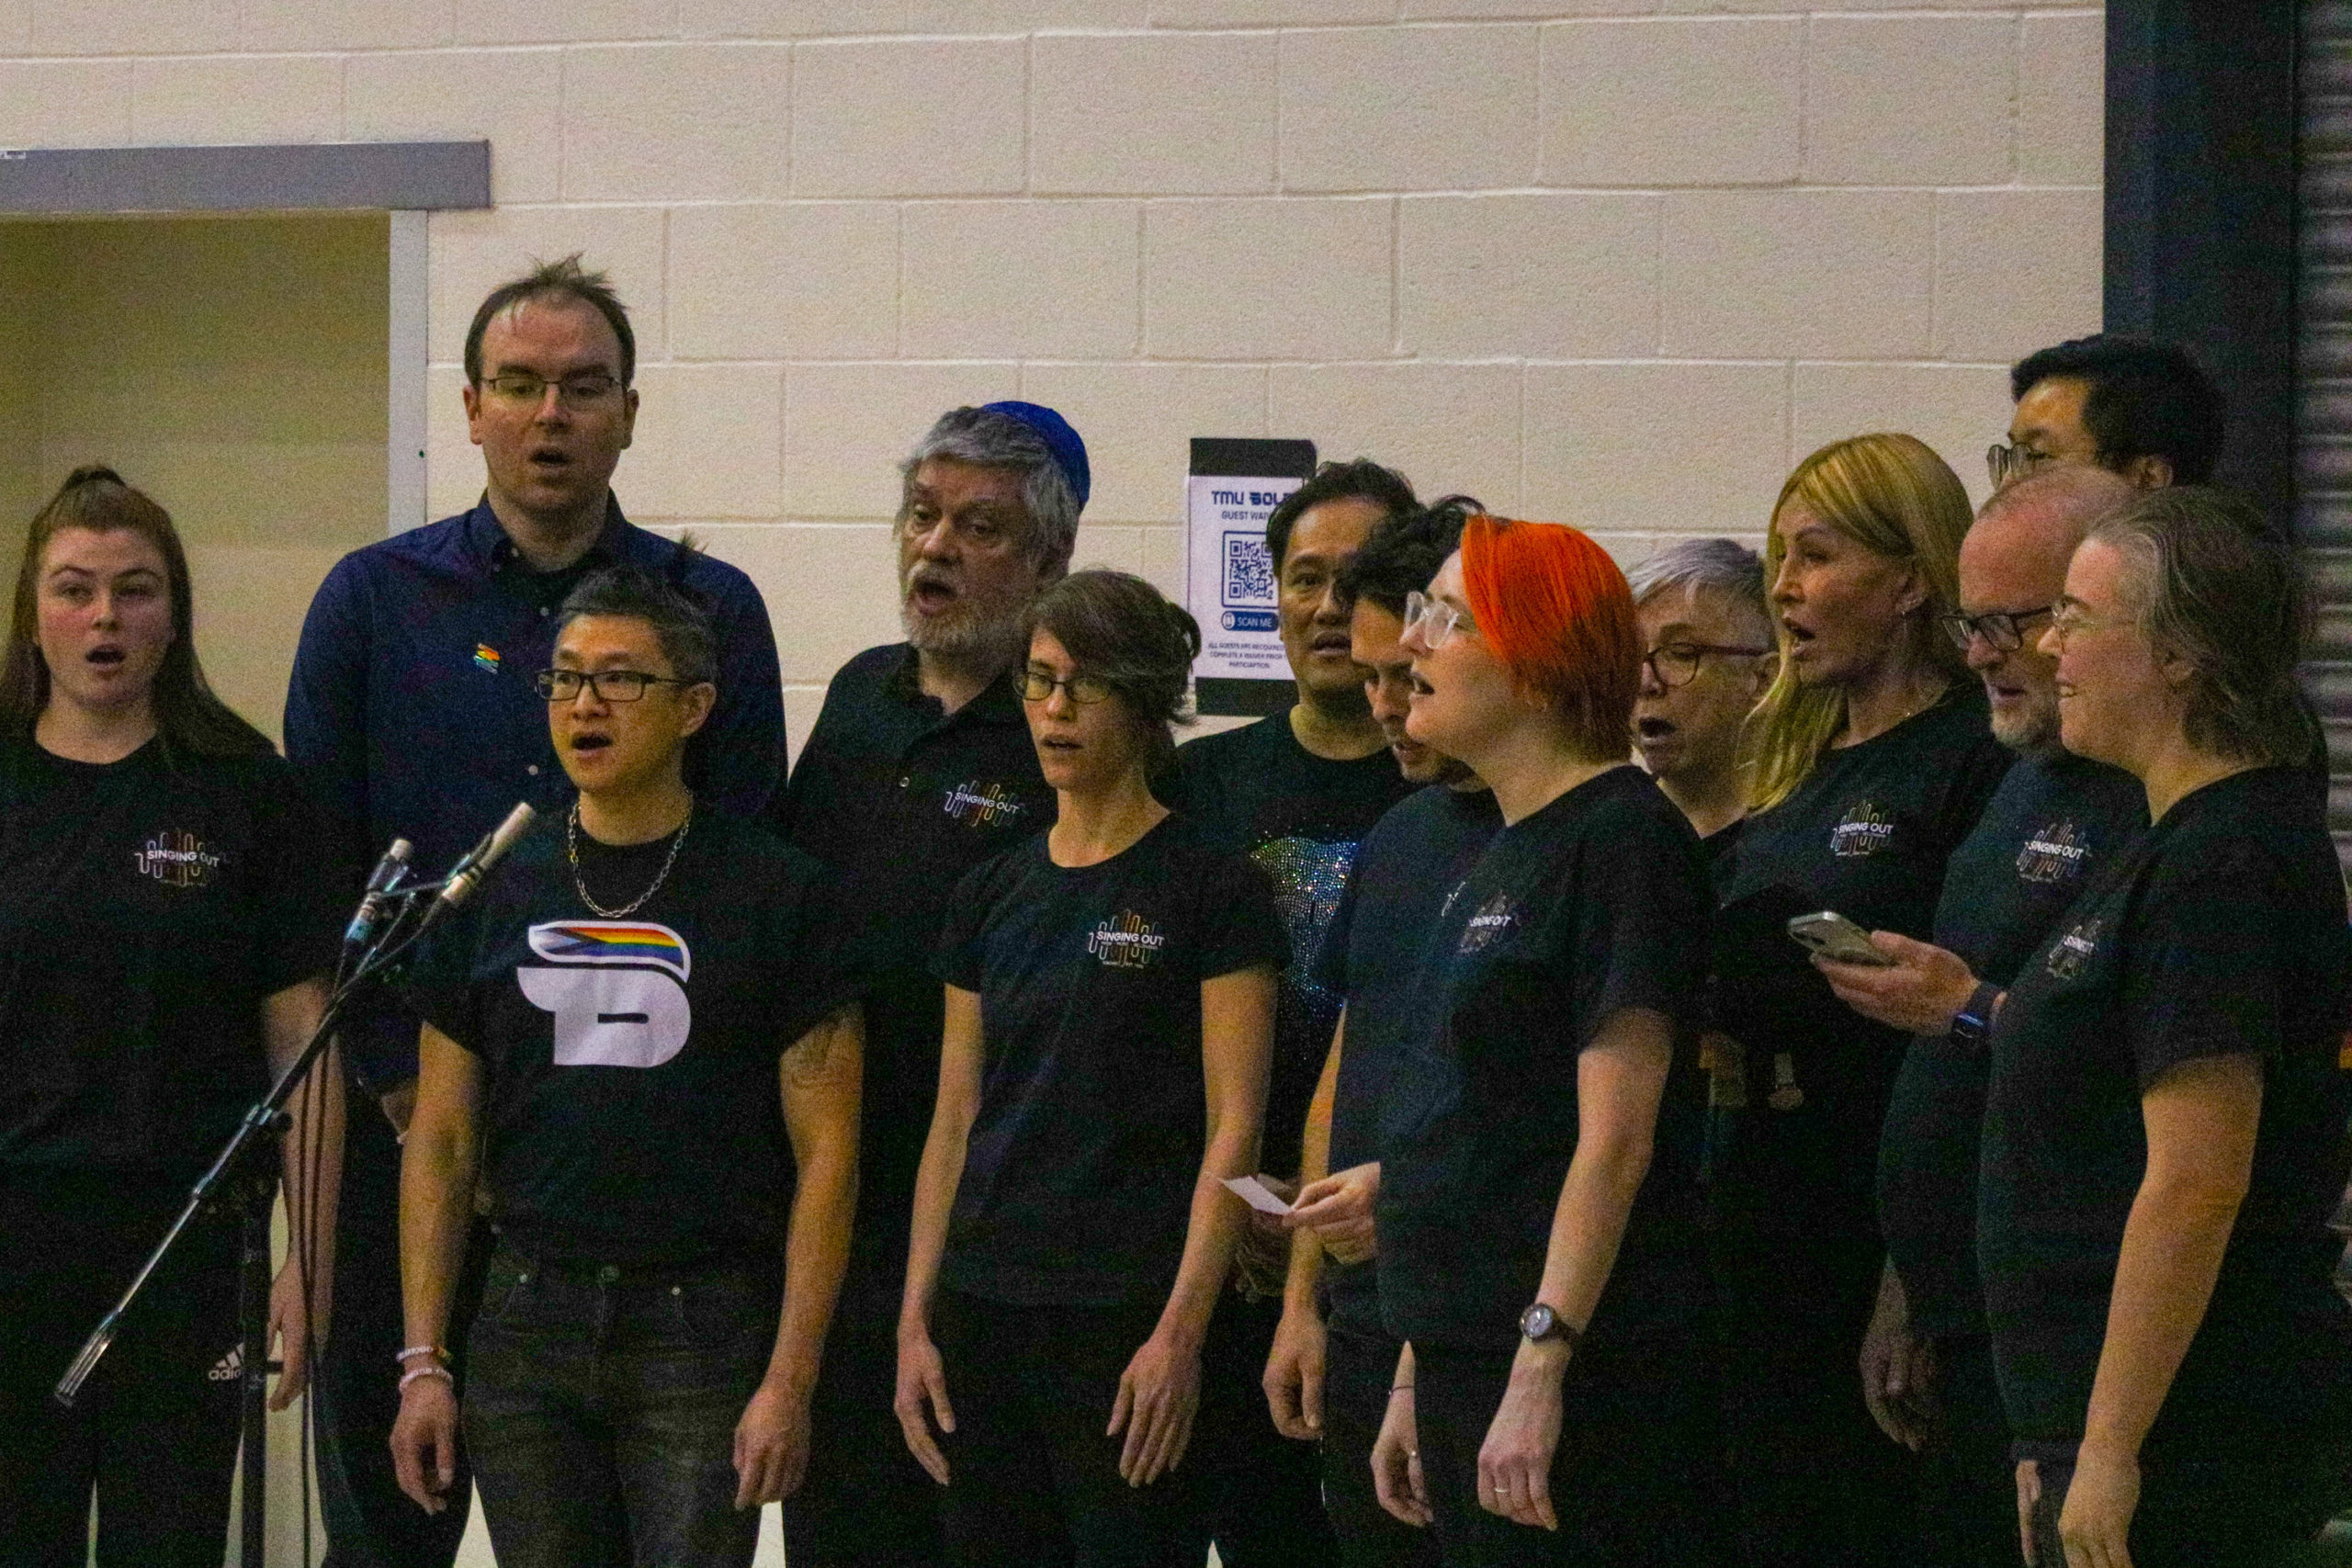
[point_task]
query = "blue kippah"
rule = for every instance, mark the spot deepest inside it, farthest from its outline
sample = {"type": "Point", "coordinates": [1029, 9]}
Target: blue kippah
{"type": "Point", "coordinates": [1068, 451]}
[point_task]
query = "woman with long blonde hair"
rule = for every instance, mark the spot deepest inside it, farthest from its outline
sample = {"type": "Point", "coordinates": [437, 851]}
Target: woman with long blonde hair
{"type": "Point", "coordinates": [1871, 757]}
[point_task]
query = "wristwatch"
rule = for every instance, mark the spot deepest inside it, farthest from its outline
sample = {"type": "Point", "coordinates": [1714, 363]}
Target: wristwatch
{"type": "Point", "coordinates": [1973, 1022]}
{"type": "Point", "coordinates": [1539, 1325]}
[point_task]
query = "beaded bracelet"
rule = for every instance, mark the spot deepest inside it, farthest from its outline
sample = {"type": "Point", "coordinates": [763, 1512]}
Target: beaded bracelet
{"type": "Point", "coordinates": [425, 1372]}
{"type": "Point", "coordinates": [436, 1351]}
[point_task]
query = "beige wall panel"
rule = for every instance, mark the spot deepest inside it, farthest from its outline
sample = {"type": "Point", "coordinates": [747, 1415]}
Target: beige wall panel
{"type": "Point", "coordinates": [681, 122]}
{"type": "Point", "coordinates": [1672, 102]}
{"type": "Point", "coordinates": [1449, 427]}
{"type": "Point", "coordinates": [832, 588]}
{"type": "Point", "coordinates": [473, 253]}
{"type": "Point", "coordinates": [1554, 277]}
{"type": "Point", "coordinates": [2016, 270]}
{"type": "Point", "coordinates": [1279, 279]}
{"type": "Point", "coordinates": [1958, 409]}
{"type": "Point", "coordinates": [796, 281]}
{"type": "Point", "coordinates": [231, 99]}
{"type": "Point", "coordinates": [1910, 100]}
{"type": "Point", "coordinates": [250, 601]}
{"type": "Point", "coordinates": [1594, 456]}
{"type": "Point", "coordinates": [64, 103]}
{"type": "Point", "coordinates": [570, 21]}
{"type": "Point", "coordinates": [511, 97]}
{"type": "Point", "coordinates": [846, 428]}
{"type": "Point", "coordinates": [1264, 13]}
{"type": "Point", "coordinates": [1180, 114]}
{"type": "Point", "coordinates": [130, 27]}
{"type": "Point", "coordinates": [1408, 108]}
{"type": "Point", "coordinates": [2062, 98]}
{"type": "Point", "coordinates": [1000, 279]}
{"type": "Point", "coordinates": [709, 442]}
{"type": "Point", "coordinates": [1138, 422]}
{"type": "Point", "coordinates": [915, 117]}
{"type": "Point", "coordinates": [1826, 274]}
{"type": "Point", "coordinates": [347, 24]}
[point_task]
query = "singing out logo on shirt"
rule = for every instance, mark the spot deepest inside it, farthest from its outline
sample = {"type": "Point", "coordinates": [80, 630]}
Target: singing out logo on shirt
{"type": "Point", "coordinates": [1126, 940]}
{"type": "Point", "coordinates": [179, 860]}
{"type": "Point", "coordinates": [615, 991]}
{"type": "Point", "coordinates": [1493, 917]}
{"type": "Point", "coordinates": [2070, 952]}
{"type": "Point", "coordinates": [977, 805]}
{"type": "Point", "coordinates": [2054, 855]}
{"type": "Point", "coordinates": [1864, 831]}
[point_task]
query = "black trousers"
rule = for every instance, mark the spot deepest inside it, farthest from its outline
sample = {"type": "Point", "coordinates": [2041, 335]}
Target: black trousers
{"type": "Point", "coordinates": [2248, 1513]}
{"type": "Point", "coordinates": [1968, 1492]}
{"type": "Point", "coordinates": [1810, 1479]}
{"type": "Point", "coordinates": [866, 1502]}
{"type": "Point", "coordinates": [154, 1432]}
{"type": "Point", "coordinates": [370, 1523]}
{"type": "Point", "coordinates": [1628, 1483]}
{"type": "Point", "coordinates": [1262, 1491]}
{"type": "Point", "coordinates": [1032, 1481]}
{"type": "Point", "coordinates": [1358, 1370]}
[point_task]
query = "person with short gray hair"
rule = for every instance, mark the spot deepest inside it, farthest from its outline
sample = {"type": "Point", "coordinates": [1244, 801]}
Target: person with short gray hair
{"type": "Point", "coordinates": [921, 767]}
{"type": "Point", "coordinates": [1707, 657]}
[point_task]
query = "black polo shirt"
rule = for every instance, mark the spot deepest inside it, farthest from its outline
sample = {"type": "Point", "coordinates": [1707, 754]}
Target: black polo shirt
{"type": "Point", "coordinates": [2220, 931]}
{"type": "Point", "coordinates": [1405, 874]}
{"type": "Point", "coordinates": [2053, 821]}
{"type": "Point", "coordinates": [901, 798]}
{"type": "Point", "coordinates": [1256, 791]}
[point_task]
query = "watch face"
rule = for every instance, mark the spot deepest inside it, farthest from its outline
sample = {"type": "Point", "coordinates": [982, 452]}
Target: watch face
{"type": "Point", "coordinates": [1536, 1321]}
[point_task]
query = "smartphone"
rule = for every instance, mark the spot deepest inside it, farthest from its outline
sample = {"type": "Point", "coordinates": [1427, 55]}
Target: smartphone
{"type": "Point", "coordinates": [1834, 937]}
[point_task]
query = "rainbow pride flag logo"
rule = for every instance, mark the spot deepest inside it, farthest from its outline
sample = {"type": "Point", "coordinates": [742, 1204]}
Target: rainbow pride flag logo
{"type": "Point", "coordinates": [613, 942]}
{"type": "Point", "coordinates": [486, 657]}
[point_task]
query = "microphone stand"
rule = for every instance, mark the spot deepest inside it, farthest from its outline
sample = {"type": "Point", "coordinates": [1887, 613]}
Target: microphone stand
{"type": "Point", "coordinates": [239, 1176]}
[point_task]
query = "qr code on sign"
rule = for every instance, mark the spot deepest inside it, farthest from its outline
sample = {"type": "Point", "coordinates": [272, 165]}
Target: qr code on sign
{"type": "Point", "coordinates": [1249, 570]}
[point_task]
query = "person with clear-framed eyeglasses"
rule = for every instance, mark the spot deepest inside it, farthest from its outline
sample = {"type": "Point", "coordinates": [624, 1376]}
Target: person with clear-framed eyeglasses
{"type": "Point", "coordinates": [411, 715]}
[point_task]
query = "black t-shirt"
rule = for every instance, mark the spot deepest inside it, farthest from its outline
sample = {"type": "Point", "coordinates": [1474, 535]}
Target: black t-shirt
{"type": "Point", "coordinates": [147, 907]}
{"type": "Point", "coordinates": [1408, 868]}
{"type": "Point", "coordinates": [1256, 791]}
{"type": "Point", "coordinates": [1077, 1178]}
{"type": "Point", "coordinates": [2053, 822]}
{"type": "Point", "coordinates": [901, 798]}
{"type": "Point", "coordinates": [2221, 930]}
{"type": "Point", "coordinates": [1867, 834]}
{"type": "Point", "coordinates": [632, 1111]}
{"type": "Point", "coordinates": [1595, 904]}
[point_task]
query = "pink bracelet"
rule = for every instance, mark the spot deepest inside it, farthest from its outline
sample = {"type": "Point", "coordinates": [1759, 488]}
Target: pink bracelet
{"type": "Point", "coordinates": [427, 1371]}
{"type": "Point", "coordinates": [435, 1351]}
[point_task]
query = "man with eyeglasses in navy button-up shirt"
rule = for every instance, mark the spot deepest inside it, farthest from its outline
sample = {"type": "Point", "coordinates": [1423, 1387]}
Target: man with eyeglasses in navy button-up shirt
{"type": "Point", "coordinates": [411, 715]}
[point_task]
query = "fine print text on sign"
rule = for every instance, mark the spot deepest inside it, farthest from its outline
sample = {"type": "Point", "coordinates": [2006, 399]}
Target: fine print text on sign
{"type": "Point", "coordinates": [1230, 578]}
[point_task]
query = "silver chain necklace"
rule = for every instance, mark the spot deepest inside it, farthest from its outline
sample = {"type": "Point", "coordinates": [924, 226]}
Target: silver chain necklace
{"type": "Point", "coordinates": [580, 883]}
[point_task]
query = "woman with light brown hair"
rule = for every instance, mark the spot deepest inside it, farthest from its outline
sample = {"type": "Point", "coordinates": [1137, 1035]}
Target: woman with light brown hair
{"type": "Point", "coordinates": [1871, 757]}
{"type": "Point", "coordinates": [163, 947]}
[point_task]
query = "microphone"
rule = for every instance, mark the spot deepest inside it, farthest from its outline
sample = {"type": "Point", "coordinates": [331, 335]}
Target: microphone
{"type": "Point", "coordinates": [380, 882]}
{"type": "Point", "coordinates": [472, 871]}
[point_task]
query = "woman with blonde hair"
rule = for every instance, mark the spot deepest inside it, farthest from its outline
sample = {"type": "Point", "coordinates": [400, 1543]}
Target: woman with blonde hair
{"type": "Point", "coordinates": [1871, 757]}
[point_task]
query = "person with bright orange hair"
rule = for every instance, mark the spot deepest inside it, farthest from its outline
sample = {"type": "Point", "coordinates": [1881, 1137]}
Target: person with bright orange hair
{"type": "Point", "coordinates": [1540, 1250]}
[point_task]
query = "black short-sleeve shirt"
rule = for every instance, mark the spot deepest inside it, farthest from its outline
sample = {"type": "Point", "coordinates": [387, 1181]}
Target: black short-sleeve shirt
{"type": "Point", "coordinates": [1596, 904]}
{"type": "Point", "coordinates": [1256, 791]}
{"type": "Point", "coordinates": [1868, 834]}
{"type": "Point", "coordinates": [2220, 931]}
{"type": "Point", "coordinates": [1408, 866]}
{"type": "Point", "coordinates": [147, 907]}
{"type": "Point", "coordinates": [901, 798]}
{"type": "Point", "coordinates": [631, 1107]}
{"type": "Point", "coordinates": [2053, 820]}
{"type": "Point", "coordinates": [1078, 1176]}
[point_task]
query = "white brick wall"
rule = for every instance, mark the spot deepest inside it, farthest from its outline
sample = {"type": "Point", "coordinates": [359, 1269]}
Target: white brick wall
{"type": "Point", "coordinates": [1613, 262]}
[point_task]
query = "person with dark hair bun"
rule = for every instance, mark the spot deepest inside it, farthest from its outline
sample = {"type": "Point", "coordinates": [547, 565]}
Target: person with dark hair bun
{"type": "Point", "coordinates": [2164, 1122]}
{"type": "Point", "coordinates": [1109, 1004]}
{"type": "Point", "coordinates": [169, 927]}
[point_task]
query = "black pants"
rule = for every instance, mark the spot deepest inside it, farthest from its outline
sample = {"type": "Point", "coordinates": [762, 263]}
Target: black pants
{"type": "Point", "coordinates": [370, 1523]}
{"type": "Point", "coordinates": [1358, 1370]}
{"type": "Point", "coordinates": [866, 1502]}
{"type": "Point", "coordinates": [154, 1432]}
{"type": "Point", "coordinates": [1032, 1480]}
{"type": "Point", "coordinates": [1262, 1492]}
{"type": "Point", "coordinates": [1628, 1478]}
{"type": "Point", "coordinates": [1811, 1482]}
{"type": "Point", "coordinates": [2248, 1514]}
{"type": "Point", "coordinates": [1968, 1494]}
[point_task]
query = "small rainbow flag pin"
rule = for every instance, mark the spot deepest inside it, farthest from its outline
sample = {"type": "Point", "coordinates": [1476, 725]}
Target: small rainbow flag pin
{"type": "Point", "coordinates": [486, 657]}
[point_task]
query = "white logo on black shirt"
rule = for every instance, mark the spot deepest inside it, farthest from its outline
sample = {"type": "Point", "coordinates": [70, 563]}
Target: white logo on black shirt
{"type": "Point", "coordinates": [1496, 916]}
{"type": "Point", "coordinates": [179, 860]}
{"type": "Point", "coordinates": [978, 805]}
{"type": "Point", "coordinates": [2053, 854]}
{"type": "Point", "coordinates": [1126, 940]}
{"type": "Point", "coordinates": [229, 1367]}
{"type": "Point", "coordinates": [614, 1001]}
{"type": "Point", "coordinates": [2070, 952]}
{"type": "Point", "coordinates": [1865, 831]}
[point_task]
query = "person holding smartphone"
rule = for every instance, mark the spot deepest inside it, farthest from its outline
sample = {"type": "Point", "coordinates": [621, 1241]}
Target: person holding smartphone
{"type": "Point", "coordinates": [2165, 1124]}
{"type": "Point", "coordinates": [1110, 1004]}
{"type": "Point", "coordinates": [1538, 1218]}
{"type": "Point", "coordinates": [1872, 758]}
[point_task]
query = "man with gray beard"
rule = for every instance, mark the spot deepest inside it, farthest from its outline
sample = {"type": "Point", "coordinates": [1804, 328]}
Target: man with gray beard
{"type": "Point", "coordinates": [1926, 1361]}
{"type": "Point", "coordinates": [919, 767]}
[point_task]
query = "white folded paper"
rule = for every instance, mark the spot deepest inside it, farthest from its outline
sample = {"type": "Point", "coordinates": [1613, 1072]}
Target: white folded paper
{"type": "Point", "coordinates": [1252, 1191]}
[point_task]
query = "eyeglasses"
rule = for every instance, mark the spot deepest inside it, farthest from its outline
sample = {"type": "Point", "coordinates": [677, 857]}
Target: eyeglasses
{"type": "Point", "coordinates": [2013, 462]}
{"type": "Point", "coordinates": [581, 391]}
{"type": "Point", "coordinates": [1437, 619]}
{"type": "Point", "coordinates": [2068, 620]}
{"type": "Point", "coordinates": [1677, 663]}
{"type": "Point", "coordinates": [610, 685]}
{"type": "Point", "coordinates": [2002, 630]}
{"type": "Point", "coordinates": [1037, 686]}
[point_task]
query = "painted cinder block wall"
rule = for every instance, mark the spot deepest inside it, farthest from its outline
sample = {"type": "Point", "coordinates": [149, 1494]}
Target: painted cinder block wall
{"type": "Point", "coordinates": [1605, 263]}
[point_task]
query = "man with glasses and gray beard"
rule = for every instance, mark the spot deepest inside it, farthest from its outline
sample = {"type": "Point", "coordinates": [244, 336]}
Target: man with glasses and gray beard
{"type": "Point", "coordinates": [1926, 1363]}
{"type": "Point", "coordinates": [920, 768]}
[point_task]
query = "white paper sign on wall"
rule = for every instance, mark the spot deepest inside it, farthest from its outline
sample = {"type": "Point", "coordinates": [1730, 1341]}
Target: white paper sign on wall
{"type": "Point", "coordinates": [1230, 578]}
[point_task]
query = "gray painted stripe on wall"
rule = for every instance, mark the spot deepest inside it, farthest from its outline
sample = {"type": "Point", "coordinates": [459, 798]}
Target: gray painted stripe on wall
{"type": "Point", "coordinates": [395, 176]}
